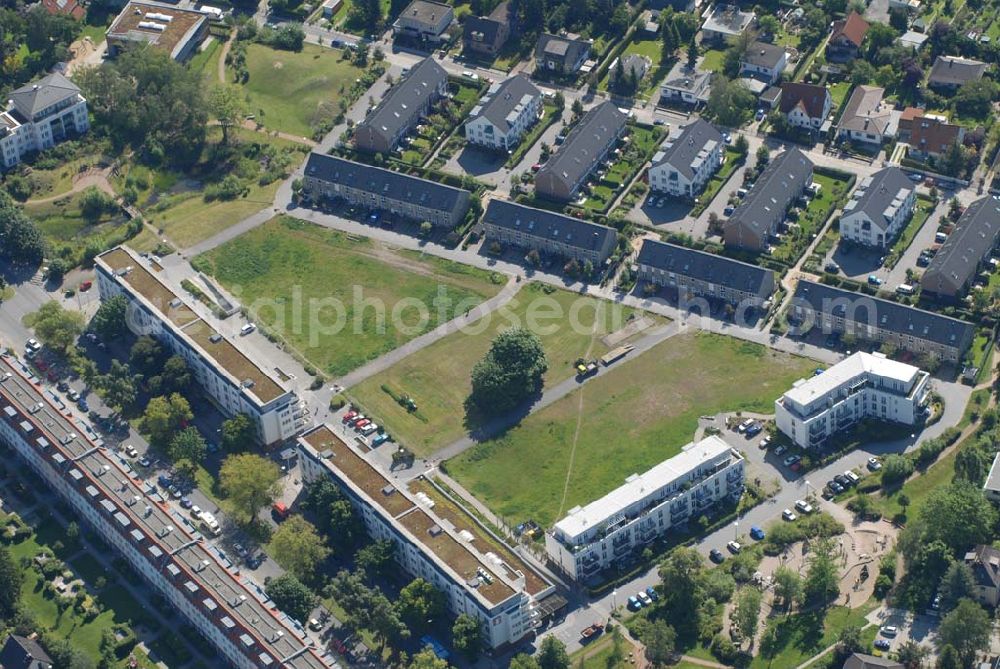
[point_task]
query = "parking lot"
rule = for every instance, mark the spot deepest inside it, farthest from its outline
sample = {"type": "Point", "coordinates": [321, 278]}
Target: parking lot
{"type": "Point", "coordinates": [917, 627]}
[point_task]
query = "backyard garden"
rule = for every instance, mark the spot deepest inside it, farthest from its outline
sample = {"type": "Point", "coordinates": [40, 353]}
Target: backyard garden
{"type": "Point", "coordinates": [642, 144]}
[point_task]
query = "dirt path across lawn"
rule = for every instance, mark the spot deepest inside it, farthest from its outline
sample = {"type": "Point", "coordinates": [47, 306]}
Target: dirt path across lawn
{"type": "Point", "coordinates": [82, 181]}
{"type": "Point", "coordinates": [579, 423]}
{"type": "Point", "coordinates": [222, 56]}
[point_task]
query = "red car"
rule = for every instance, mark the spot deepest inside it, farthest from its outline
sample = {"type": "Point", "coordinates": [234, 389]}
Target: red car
{"type": "Point", "coordinates": [796, 467]}
{"type": "Point", "coordinates": [536, 167]}
{"type": "Point", "coordinates": [361, 423]}
{"type": "Point", "coordinates": [85, 286]}
{"type": "Point", "coordinates": [41, 365]}
{"type": "Point", "coordinates": [349, 416]}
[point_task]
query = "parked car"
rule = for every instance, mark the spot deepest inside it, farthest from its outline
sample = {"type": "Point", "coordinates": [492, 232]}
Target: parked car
{"type": "Point", "coordinates": [130, 451]}
{"type": "Point", "coordinates": [874, 464]}
{"type": "Point", "coordinates": [634, 604]}
{"type": "Point", "coordinates": [651, 591]}
{"type": "Point", "coordinates": [380, 439]}
{"type": "Point", "coordinates": [882, 644]}
{"type": "Point", "coordinates": [728, 211]}
{"type": "Point", "coordinates": [644, 598]}
{"type": "Point", "coordinates": [831, 267]}
{"type": "Point", "coordinates": [851, 476]}
{"type": "Point", "coordinates": [195, 512]}
{"type": "Point", "coordinates": [765, 442]}
{"type": "Point", "coordinates": [842, 480]}
{"type": "Point", "coordinates": [803, 506]}
{"type": "Point", "coordinates": [348, 416]}
{"type": "Point", "coordinates": [742, 427]}
{"type": "Point", "coordinates": [780, 449]}
{"type": "Point", "coordinates": [835, 487]}
{"type": "Point", "coordinates": [358, 425]}
{"type": "Point", "coordinates": [368, 429]}
{"type": "Point", "coordinates": [754, 430]}
{"type": "Point", "coordinates": [144, 461]}
{"type": "Point", "coordinates": [357, 418]}
{"type": "Point", "coordinates": [73, 395]}
{"type": "Point", "coordinates": [790, 460]}
{"type": "Point", "coordinates": [734, 547]}
{"type": "Point", "coordinates": [889, 630]}
{"type": "Point", "coordinates": [186, 503]}
{"type": "Point", "coordinates": [716, 556]}
{"type": "Point", "coordinates": [247, 329]}
{"type": "Point", "coordinates": [62, 386]}
{"type": "Point", "coordinates": [757, 533]}
{"type": "Point", "coordinates": [788, 515]}
{"type": "Point", "coordinates": [874, 280]}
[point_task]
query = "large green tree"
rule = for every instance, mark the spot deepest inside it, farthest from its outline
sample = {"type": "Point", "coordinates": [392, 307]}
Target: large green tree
{"type": "Point", "coordinates": [110, 322]}
{"type": "Point", "coordinates": [299, 548]}
{"type": "Point", "coordinates": [552, 654]}
{"type": "Point", "coordinates": [681, 574]}
{"type": "Point", "coordinates": [510, 373]}
{"type": "Point", "coordinates": [730, 102]}
{"type": "Point", "coordinates": [822, 582]}
{"type": "Point", "coordinates": [164, 418]}
{"type": "Point", "coordinates": [251, 482]}
{"type": "Point", "coordinates": [238, 434]}
{"type": "Point", "coordinates": [56, 327]}
{"type": "Point", "coordinates": [467, 636]}
{"type": "Point", "coordinates": [11, 580]}
{"type": "Point", "coordinates": [21, 241]}
{"type": "Point", "coordinates": [419, 603]}
{"type": "Point", "coordinates": [958, 583]}
{"type": "Point", "coordinates": [291, 596]}
{"type": "Point", "coordinates": [967, 629]}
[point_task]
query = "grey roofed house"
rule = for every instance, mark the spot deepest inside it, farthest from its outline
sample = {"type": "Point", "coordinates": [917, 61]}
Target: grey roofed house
{"type": "Point", "coordinates": [762, 54]}
{"type": "Point", "coordinates": [953, 71]}
{"type": "Point", "coordinates": [758, 215]}
{"type": "Point", "coordinates": [548, 225]}
{"type": "Point", "coordinates": [566, 51]}
{"type": "Point", "coordinates": [20, 652]}
{"type": "Point", "coordinates": [501, 101]}
{"type": "Point", "coordinates": [686, 147]}
{"type": "Point", "coordinates": [865, 113]}
{"type": "Point", "coordinates": [862, 661]}
{"type": "Point", "coordinates": [39, 95]}
{"type": "Point", "coordinates": [891, 316]}
{"type": "Point", "coordinates": [489, 33]}
{"type": "Point", "coordinates": [912, 39]}
{"type": "Point", "coordinates": [691, 85]}
{"type": "Point", "coordinates": [386, 183]}
{"type": "Point", "coordinates": [708, 267]}
{"type": "Point", "coordinates": [877, 197]}
{"type": "Point", "coordinates": [585, 146]}
{"type": "Point", "coordinates": [975, 235]}
{"type": "Point", "coordinates": [636, 64]}
{"type": "Point", "coordinates": [400, 107]}
{"type": "Point", "coordinates": [984, 561]}
{"type": "Point", "coordinates": [727, 20]}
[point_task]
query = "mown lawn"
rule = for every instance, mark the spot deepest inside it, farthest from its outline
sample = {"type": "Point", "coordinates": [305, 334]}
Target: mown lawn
{"type": "Point", "coordinates": [438, 377]}
{"type": "Point", "coordinates": [635, 154]}
{"type": "Point", "coordinates": [176, 202]}
{"type": "Point", "coordinates": [301, 280]}
{"type": "Point", "coordinates": [206, 62]}
{"type": "Point", "coordinates": [624, 422]}
{"type": "Point", "coordinates": [287, 89]}
{"type": "Point", "coordinates": [714, 59]}
{"type": "Point", "coordinates": [799, 636]}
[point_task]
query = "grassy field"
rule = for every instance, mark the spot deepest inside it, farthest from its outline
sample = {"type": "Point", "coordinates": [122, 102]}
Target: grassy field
{"type": "Point", "coordinates": [206, 62]}
{"type": "Point", "coordinates": [651, 49]}
{"type": "Point", "coordinates": [176, 203]}
{"type": "Point", "coordinates": [286, 263]}
{"type": "Point", "coordinates": [286, 89]}
{"type": "Point", "coordinates": [800, 636]}
{"type": "Point", "coordinates": [69, 233]}
{"type": "Point", "coordinates": [838, 92]}
{"type": "Point", "coordinates": [437, 377]}
{"type": "Point", "coordinates": [624, 422]}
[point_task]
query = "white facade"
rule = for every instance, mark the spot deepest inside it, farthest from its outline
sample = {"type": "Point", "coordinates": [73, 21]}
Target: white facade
{"type": "Point", "coordinates": [481, 585]}
{"type": "Point", "coordinates": [881, 221]}
{"type": "Point", "coordinates": [801, 119]}
{"type": "Point", "coordinates": [610, 529]}
{"type": "Point", "coordinates": [161, 545]}
{"type": "Point", "coordinates": [768, 73]}
{"type": "Point", "coordinates": [31, 123]}
{"type": "Point", "coordinates": [684, 171]}
{"type": "Point", "coordinates": [503, 134]}
{"type": "Point", "coordinates": [865, 385]}
{"type": "Point", "coordinates": [991, 488]}
{"type": "Point", "coordinates": [236, 385]}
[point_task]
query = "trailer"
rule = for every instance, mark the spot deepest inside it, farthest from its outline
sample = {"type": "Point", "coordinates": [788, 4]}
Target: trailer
{"type": "Point", "coordinates": [591, 633]}
{"type": "Point", "coordinates": [616, 354]}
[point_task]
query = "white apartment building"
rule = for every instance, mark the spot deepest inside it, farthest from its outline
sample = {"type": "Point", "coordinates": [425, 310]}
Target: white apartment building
{"type": "Point", "coordinates": [504, 114]}
{"type": "Point", "coordinates": [608, 530]}
{"type": "Point", "coordinates": [862, 386]}
{"type": "Point", "coordinates": [233, 382]}
{"type": "Point", "coordinates": [686, 161]}
{"type": "Point", "coordinates": [161, 544]}
{"type": "Point", "coordinates": [474, 578]}
{"type": "Point", "coordinates": [41, 115]}
{"type": "Point", "coordinates": [879, 208]}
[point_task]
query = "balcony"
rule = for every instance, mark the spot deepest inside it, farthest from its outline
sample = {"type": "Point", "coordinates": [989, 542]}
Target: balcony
{"type": "Point", "coordinates": [622, 549]}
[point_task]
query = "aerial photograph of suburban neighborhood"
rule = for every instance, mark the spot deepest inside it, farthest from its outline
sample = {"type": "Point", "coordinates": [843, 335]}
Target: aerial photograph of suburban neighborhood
{"type": "Point", "coordinates": [476, 334]}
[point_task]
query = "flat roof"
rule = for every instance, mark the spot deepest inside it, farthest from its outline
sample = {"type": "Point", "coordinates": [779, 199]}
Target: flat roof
{"type": "Point", "coordinates": [436, 535]}
{"type": "Point", "coordinates": [640, 486]}
{"type": "Point", "coordinates": [130, 269]}
{"type": "Point", "coordinates": [136, 21]}
{"type": "Point", "coordinates": [153, 526]}
{"type": "Point", "coordinates": [462, 521]}
{"type": "Point", "coordinates": [849, 368]}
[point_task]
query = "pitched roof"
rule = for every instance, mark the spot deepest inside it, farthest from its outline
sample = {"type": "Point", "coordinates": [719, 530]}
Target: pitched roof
{"type": "Point", "coordinates": [560, 47]}
{"type": "Point", "coordinates": [705, 266]}
{"type": "Point", "coordinates": [862, 661]}
{"type": "Point", "coordinates": [809, 97]}
{"type": "Point", "coordinates": [955, 71]}
{"type": "Point", "coordinates": [985, 563]}
{"type": "Point", "coordinates": [425, 11]}
{"type": "Point", "coordinates": [865, 112]}
{"type": "Point", "coordinates": [20, 652]}
{"type": "Point", "coordinates": [693, 144]}
{"type": "Point", "coordinates": [393, 185]}
{"type": "Point", "coordinates": [853, 28]}
{"type": "Point", "coordinates": [504, 101]}
{"type": "Point", "coordinates": [880, 195]}
{"type": "Point", "coordinates": [933, 136]}
{"type": "Point", "coordinates": [781, 182]}
{"type": "Point", "coordinates": [396, 108]}
{"type": "Point", "coordinates": [975, 234]}
{"type": "Point", "coordinates": [47, 91]}
{"type": "Point", "coordinates": [887, 315]}
{"type": "Point", "coordinates": [683, 78]}
{"type": "Point", "coordinates": [487, 26]}
{"type": "Point", "coordinates": [762, 54]}
{"type": "Point", "coordinates": [585, 143]}
{"type": "Point", "coordinates": [71, 7]}
{"type": "Point", "coordinates": [635, 63]}
{"type": "Point", "coordinates": [542, 223]}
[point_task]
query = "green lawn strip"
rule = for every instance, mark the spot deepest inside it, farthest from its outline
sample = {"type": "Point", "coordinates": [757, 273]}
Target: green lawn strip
{"type": "Point", "coordinates": [811, 218]}
{"type": "Point", "coordinates": [716, 183]}
{"type": "Point", "coordinates": [175, 202]}
{"type": "Point", "coordinates": [437, 377]}
{"type": "Point", "coordinates": [550, 115]}
{"type": "Point", "coordinates": [642, 144]}
{"type": "Point", "coordinates": [206, 62]}
{"type": "Point", "coordinates": [838, 92]}
{"type": "Point", "coordinates": [714, 59]}
{"type": "Point", "coordinates": [800, 636]}
{"type": "Point", "coordinates": [921, 212]}
{"type": "Point", "coordinates": [637, 416]}
{"type": "Point", "coordinates": [287, 88]}
{"type": "Point", "coordinates": [295, 270]}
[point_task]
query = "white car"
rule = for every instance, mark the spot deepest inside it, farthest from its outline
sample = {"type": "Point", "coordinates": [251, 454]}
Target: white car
{"type": "Point", "coordinates": [734, 547]}
{"type": "Point", "coordinates": [874, 464]}
{"type": "Point", "coordinates": [196, 512]}
{"type": "Point", "coordinates": [32, 345]}
{"type": "Point", "coordinates": [803, 506]}
{"type": "Point", "coordinates": [130, 451]}
{"type": "Point", "coordinates": [247, 329]}
{"type": "Point", "coordinates": [644, 598]}
{"type": "Point", "coordinates": [788, 515]}
{"type": "Point", "coordinates": [889, 630]}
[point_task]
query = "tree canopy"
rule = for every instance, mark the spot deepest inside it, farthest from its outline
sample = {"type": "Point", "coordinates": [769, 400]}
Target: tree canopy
{"type": "Point", "coordinates": [252, 482]}
{"type": "Point", "coordinates": [510, 372]}
{"type": "Point", "coordinates": [56, 327]}
{"type": "Point", "coordinates": [291, 596]}
{"type": "Point", "coordinates": [299, 548]}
